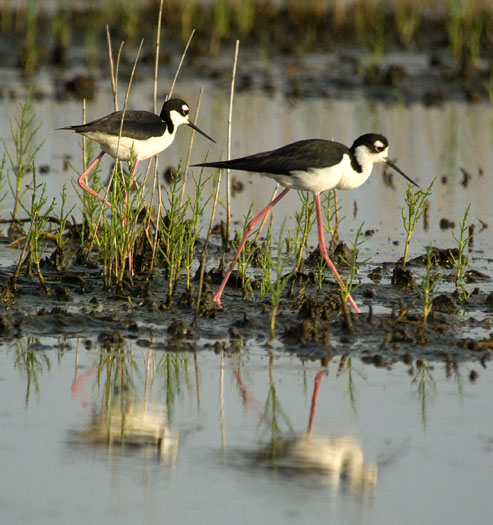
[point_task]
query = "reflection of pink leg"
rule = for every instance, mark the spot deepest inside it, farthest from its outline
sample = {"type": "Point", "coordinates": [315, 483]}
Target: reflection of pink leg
{"type": "Point", "coordinates": [78, 385]}
{"type": "Point", "coordinates": [83, 177]}
{"type": "Point", "coordinates": [250, 226]}
{"type": "Point", "coordinates": [316, 388]}
{"type": "Point", "coordinates": [325, 255]}
{"type": "Point", "coordinates": [248, 399]}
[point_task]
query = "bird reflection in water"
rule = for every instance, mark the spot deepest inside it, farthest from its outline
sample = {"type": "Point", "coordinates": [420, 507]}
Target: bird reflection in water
{"type": "Point", "coordinates": [336, 460]}
{"type": "Point", "coordinates": [122, 425]}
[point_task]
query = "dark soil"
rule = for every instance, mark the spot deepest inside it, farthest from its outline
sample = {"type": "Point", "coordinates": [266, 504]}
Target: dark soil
{"type": "Point", "coordinates": [73, 304]}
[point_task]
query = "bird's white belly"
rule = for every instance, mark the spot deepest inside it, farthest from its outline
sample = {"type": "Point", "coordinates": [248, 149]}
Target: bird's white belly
{"type": "Point", "coordinates": [315, 180]}
{"type": "Point", "coordinates": [341, 176]}
{"type": "Point", "coordinates": [129, 148]}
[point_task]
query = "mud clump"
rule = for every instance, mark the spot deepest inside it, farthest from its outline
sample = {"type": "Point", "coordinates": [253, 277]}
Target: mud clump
{"type": "Point", "coordinates": [319, 308]}
{"type": "Point", "coordinates": [308, 331]}
{"type": "Point", "coordinates": [180, 330]}
{"type": "Point", "coordinates": [445, 303]}
{"type": "Point", "coordinates": [402, 277]}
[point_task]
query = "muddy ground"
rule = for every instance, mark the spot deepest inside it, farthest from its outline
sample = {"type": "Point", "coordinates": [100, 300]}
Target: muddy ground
{"type": "Point", "coordinates": [74, 304]}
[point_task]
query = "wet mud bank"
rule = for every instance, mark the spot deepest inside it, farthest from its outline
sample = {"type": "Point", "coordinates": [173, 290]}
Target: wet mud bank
{"type": "Point", "coordinates": [74, 304]}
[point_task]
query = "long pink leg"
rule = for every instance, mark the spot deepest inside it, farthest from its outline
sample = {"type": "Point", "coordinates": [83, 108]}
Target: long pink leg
{"type": "Point", "coordinates": [250, 226]}
{"type": "Point", "coordinates": [132, 178]}
{"type": "Point", "coordinates": [325, 255]}
{"type": "Point", "coordinates": [82, 180]}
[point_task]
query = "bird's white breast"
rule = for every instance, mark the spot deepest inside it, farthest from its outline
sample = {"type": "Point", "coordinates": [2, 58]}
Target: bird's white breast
{"type": "Point", "coordinates": [340, 176]}
{"type": "Point", "coordinates": [129, 148]}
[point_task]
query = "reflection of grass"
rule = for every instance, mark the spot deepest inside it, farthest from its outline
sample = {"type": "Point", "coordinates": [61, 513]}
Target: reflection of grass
{"type": "Point", "coordinates": [426, 386]}
{"type": "Point", "coordinates": [31, 363]}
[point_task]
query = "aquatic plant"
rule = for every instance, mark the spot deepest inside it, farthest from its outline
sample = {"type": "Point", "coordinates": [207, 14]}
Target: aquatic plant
{"type": "Point", "coordinates": [62, 218]}
{"type": "Point", "coordinates": [196, 207]}
{"type": "Point", "coordinates": [350, 286]}
{"type": "Point", "coordinates": [407, 19]}
{"type": "Point", "coordinates": [277, 287]}
{"type": "Point", "coordinates": [38, 213]}
{"type": "Point", "coordinates": [61, 30]}
{"type": "Point", "coordinates": [303, 217]}
{"type": "Point", "coordinates": [266, 266]}
{"type": "Point", "coordinates": [465, 25]}
{"type": "Point", "coordinates": [416, 204]}
{"type": "Point", "coordinates": [460, 261]}
{"type": "Point", "coordinates": [173, 231]}
{"type": "Point", "coordinates": [23, 134]}
{"type": "Point", "coordinates": [31, 49]}
{"type": "Point", "coordinates": [370, 27]}
{"type": "Point", "coordinates": [331, 209]}
{"type": "Point", "coordinates": [320, 273]}
{"type": "Point", "coordinates": [3, 179]}
{"type": "Point", "coordinates": [222, 15]}
{"type": "Point", "coordinates": [246, 254]}
{"type": "Point", "coordinates": [429, 285]}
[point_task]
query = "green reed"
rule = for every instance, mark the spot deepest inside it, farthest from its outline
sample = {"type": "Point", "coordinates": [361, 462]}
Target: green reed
{"type": "Point", "coordinates": [221, 15]}
{"type": "Point", "coordinates": [31, 49]}
{"type": "Point", "coordinates": [408, 17]}
{"type": "Point", "coordinates": [320, 273]}
{"type": "Point", "coordinates": [192, 232]}
{"type": "Point", "coordinates": [304, 222]}
{"type": "Point", "coordinates": [460, 262]}
{"type": "Point", "coordinates": [266, 266]}
{"type": "Point", "coordinates": [429, 284]}
{"type": "Point", "coordinates": [246, 254]}
{"type": "Point", "coordinates": [38, 212]}
{"type": "Point", "coordinates": [464, 28]}
{"type": "Point", "coordinates": [416, 204]}
{"type": "Point", "coordinates": [62, 218]}
{"type": "Point", "coordinates": [351, 263]}
{"type": "Point", "coordinates": [23, 133]}
{"type": "Point", "coordinates": [331, 208]}
{"type": "Point", "coordinates": [178, 232]}
{"type": "Point", "coordinates": [61, 30]}
{"type": "Point", "coordinates": [277, 287]}
{"type": "Point", "coordinates": [3, 179]}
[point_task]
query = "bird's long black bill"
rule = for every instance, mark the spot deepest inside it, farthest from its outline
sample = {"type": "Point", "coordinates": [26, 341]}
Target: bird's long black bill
{"type": "Point", "coordinates": [392, 165]}
{"type": "Point", "coordinates": [194, 127]}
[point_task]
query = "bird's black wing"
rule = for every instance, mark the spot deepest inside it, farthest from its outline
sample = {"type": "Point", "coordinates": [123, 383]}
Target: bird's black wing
{"type": "Point", "coordinates": [301, 155]}
{"type": "Point", "coordinates": [139, 125]}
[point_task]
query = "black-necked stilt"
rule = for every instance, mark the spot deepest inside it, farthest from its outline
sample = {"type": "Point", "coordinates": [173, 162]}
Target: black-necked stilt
{"type": "Point", "coordinates": [143, 135]}
{"type": "Point", "coordinates": [314, 165]}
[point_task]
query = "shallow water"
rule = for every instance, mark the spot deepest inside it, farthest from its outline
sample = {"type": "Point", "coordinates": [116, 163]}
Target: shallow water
{"type": "Point", "coordinates": [141, 436]}
{"type": "Point", "coordinates": [126, 434]}
{"type": "Point", "coordinates": [426, 142]}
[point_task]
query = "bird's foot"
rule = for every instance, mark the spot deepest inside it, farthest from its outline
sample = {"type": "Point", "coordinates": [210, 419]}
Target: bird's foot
{"type": "Point", "coordinates": [217, 300]}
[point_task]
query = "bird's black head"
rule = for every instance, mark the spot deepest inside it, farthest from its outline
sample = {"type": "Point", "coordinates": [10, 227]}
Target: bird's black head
{"type": "Point", "coordinates": [175, 104]}
{"type": "Point", "coordinates": [373, 142]}
{"type": "Point", "coordinates": [374, 147]}
{"type": "Point", "coordinates": [175, 113]}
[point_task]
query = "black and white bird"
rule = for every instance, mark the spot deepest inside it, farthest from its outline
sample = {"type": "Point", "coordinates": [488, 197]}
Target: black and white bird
{"type": "Point", "coordinates": [314, 165]}
{"type": "Point", "coordinates": [143, 135]}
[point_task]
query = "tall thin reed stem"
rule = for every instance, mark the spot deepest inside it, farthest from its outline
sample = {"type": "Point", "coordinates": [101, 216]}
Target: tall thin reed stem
{"type": "Point", "coordinates": [190, 146]}
{"type": "Point", "coordinates": [230, 121]}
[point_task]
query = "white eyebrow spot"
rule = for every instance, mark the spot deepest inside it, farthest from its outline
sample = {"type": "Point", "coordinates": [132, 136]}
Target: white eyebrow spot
{"type": "Point", "coordinates": [185, 108]}
{"type": "Point", "coordinates": [379, 144]}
